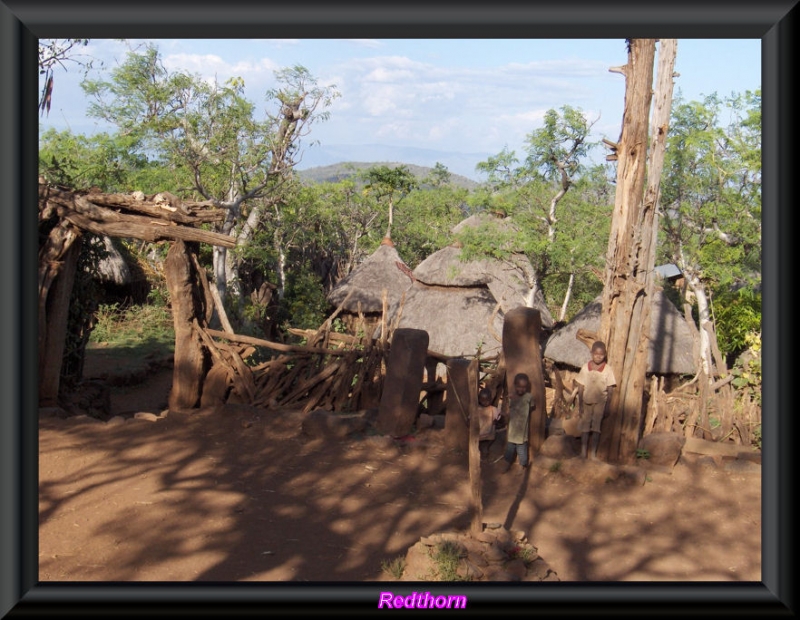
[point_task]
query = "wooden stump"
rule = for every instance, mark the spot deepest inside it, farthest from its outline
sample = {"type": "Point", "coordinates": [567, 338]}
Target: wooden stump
{"type": "Point", "coordinates": [190, 359]}
{"type": "Point", "coordinates": [523, 354]}
{"type": "Point", "coordinates": [399, 404]}
{"type": "Point", "coordinates": [461, 392]}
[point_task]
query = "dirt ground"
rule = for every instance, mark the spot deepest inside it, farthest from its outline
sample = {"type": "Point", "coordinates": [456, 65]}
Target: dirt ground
{"type": "Point", "coordinates": [246, 496]}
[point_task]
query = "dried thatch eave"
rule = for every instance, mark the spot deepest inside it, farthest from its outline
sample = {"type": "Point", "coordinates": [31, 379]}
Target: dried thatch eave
{"type": "Point", "coordinates": [458, 319]}
{"type": "Point", "coordinates": [383, 269]}
{"type": "Point", "coordinates": [671, 348]}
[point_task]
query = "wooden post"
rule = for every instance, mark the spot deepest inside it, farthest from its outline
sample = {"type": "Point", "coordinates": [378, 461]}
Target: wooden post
{"type": "Point", "coordinates": [474, 452]}
{"type": "Point", "coordinates": [460, 394]}
{"type": "Point", "coordinates": [56, 311]}
{"type": "Point", "coordinates": [191, 363]}
{"type": "Point", "coordinates": [523, 353]}
{"type": "Point", "coordinates": [399, 404]}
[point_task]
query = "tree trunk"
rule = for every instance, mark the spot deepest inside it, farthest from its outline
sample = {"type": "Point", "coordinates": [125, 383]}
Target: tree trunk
{"type": "Point", "coordinates": [191, 364]}
{"type": "Point", "coordinates": [630, 261]}
{"type": "Point", "coordinates": [55, 310]}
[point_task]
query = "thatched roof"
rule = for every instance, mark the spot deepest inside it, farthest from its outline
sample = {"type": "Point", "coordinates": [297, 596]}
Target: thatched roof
{"type": "Point", "coordinates": [504, 279]}
{"type": "Point", "coordinates": [383, 269]}
{"type": "Point", "coordinates": [671, 341]}
{"type": "Point", "coordinates": [457, 319]}
{"type": "Point", "coordinates": [118, 266]}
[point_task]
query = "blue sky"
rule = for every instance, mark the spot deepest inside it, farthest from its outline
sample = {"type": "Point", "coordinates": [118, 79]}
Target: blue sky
{"type": "Point", "coordinates": [459, 96]}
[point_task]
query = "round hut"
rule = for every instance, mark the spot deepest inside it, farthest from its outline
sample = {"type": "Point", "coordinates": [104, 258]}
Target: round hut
{"type": "Point", "coordinates": [360, 293]}
{"type": "Point", "coordinates": [460, 320]}
{"type": "Point", "coordinates": [671, 350]}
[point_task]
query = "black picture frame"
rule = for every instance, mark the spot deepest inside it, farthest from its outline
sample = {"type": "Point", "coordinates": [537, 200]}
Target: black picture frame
{"type": "Point", "coordinates": [23, 22]}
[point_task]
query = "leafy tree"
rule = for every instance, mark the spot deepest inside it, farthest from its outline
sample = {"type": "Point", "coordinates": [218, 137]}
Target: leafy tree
{"type": "Point", "coordinates": [439, 176]}
{"type": "Point", "coordinates": [532, 193]}
{"type": "Point", "coordinates": [389, 186]}
{"type": "Point", "coordinates": [101, 160]}
{"type": "Point", "coordinates": [206, 134]}
{"type": "Point", "coordinates": [711, 201]}
{"type": "Point", "coordinates": [425, 223]}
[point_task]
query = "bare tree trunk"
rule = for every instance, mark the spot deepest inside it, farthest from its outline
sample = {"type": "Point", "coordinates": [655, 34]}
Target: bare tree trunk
{"type": "Point", "coordinates": [56, 312]}
{"type": "Point", "coordinates": [190, 364]}
{"type": "Point", "coordinates": [563, 312]}
{"type": "Point", "coordinates": [628, 290]}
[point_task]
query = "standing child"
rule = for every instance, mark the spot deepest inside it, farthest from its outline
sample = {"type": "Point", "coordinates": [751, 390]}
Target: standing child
{"type": "Point", "coordinates": [488, 415]}
{"type": "Point", "coordinates": [519, 412]}
{"type": "Point", "coordinates": [595, 383]}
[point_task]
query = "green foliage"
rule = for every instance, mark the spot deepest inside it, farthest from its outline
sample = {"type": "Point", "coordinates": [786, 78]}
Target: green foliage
{"type": "Point", "coordinates": [439, 176]}
{"type": "Point", "coordinates": [558, 147]}
{"type": "Point", "coordinates": [305, 303]}
{"type": "Point", "coordinates": [737, 317]}
{"type": "Point", "coordinates": [119, 326]}
{"type": "Point", "coordinates": [102, 160]}
{"type": "Point", "coordinates": [555, 467]}
{"type": "Point", "coordinates": [446, 556]}
{"type": "Point", "coordinates": [746, 370]}
{"type": "Point", "coordinates": [423, 225]}
{"type": "Point", "coordinates": [394, 568]}
{"type": "Point", "coordinates": [643, 454]}
{"type": "Point", "coordinates": [710, 220]}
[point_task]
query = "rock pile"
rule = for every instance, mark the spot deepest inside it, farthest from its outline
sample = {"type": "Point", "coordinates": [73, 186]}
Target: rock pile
{"type": "Point", "coordinates": [495, 554]}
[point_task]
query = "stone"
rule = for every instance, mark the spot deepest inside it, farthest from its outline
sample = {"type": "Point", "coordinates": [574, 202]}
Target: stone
{"type": "Point", "coordinates": [145, 415]}
{"type": "Point", "coordinates": [663, 448]}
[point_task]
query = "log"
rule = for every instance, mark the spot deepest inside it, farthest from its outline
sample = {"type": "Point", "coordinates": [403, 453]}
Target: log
{"type": "Point", "coordinates": [276, 346]}
{"type": "Point", "coordinates": [148, 230]}
{"type": "Point", "coordinates": [190, 361]}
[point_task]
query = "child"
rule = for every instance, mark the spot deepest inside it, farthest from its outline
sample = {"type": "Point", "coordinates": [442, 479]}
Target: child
{"type": "Point", "coordinates": [519, 411]}
{"type": "Point", "coordinates": [488, 415]}
{"type": "Point", "coordinates": [594, 383]}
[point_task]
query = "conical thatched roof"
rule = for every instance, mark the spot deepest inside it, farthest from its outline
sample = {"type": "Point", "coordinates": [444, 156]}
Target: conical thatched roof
{"type": "Point", "coordinates": [671, 341]}
{"type": "Point", "coordinates": [383, 269]}
{"type": "Point", "coordinates": [458, 319]}
{"type": "Point", "coordinates": [504, 279]}
{"type": "Point", "coordinates": [118, 266]}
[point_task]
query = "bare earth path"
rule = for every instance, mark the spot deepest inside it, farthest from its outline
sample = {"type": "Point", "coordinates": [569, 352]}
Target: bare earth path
{"type": "Point", "coordinates": [248, 497]}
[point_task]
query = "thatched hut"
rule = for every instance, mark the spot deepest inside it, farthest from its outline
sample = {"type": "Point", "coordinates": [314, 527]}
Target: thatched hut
{"type": "Point", "coordinates": [505, 280]}
{"type": "Point", "coordinates": [461, 304]}
{"type": "Point", "coordinates": [121, 277]}
{"type": "Point", "coordinates": [362, 290]}
{"type": "Point", "coordinates": [459, 320]}
{"type": "Point", "coordinates": [671, 340]}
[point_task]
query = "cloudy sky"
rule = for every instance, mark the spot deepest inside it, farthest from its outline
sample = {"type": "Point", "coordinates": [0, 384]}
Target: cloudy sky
{"type": "Point", "coordinates": [471, 97]}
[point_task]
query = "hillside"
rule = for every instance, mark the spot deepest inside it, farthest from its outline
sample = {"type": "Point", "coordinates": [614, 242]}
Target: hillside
{"type": "Point", "coordinates": [344, 170]}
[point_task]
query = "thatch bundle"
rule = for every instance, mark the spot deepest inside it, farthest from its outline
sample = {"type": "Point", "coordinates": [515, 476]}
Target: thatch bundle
{"type": "Point", "coordinates": [381, 270]}
{"type": "Point", "coordinates": [671, 348]}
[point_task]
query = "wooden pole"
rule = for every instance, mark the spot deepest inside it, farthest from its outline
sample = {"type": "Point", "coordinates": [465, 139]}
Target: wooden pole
{"type": "Point", "coordinates": [474, 452]}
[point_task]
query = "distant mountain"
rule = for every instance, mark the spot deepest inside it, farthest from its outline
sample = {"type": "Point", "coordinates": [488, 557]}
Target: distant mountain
{"type": "Point", "coordinates": [463, 164]}
{"type": "Point", "coordinates": [344, 170]}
